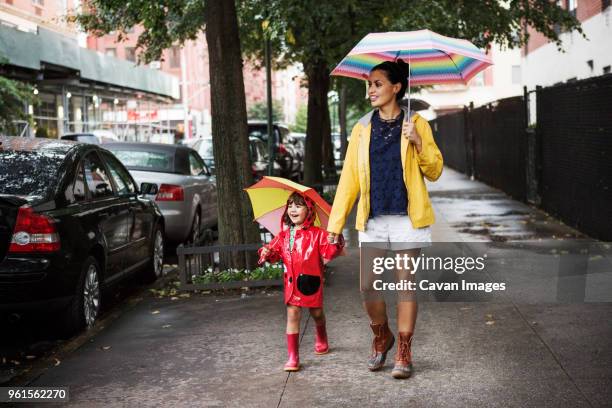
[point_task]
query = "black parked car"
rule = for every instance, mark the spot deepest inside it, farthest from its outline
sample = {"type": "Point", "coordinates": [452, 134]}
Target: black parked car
{"type": "Point", "coordinates": [71, 224]}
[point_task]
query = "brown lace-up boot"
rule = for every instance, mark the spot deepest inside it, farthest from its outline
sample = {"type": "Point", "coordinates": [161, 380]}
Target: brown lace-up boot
{"type": "Point", "coordinates": [382, 343]}
{"type": "Point", "coordinates": [403, 358]}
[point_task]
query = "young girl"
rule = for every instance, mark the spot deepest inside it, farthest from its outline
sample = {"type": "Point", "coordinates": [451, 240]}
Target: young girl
{"type": "Point", "coordinates": [303, 249]}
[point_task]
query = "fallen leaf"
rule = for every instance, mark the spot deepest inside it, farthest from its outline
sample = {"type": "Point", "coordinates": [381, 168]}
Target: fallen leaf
{"type": "Point", "coordinates": [465, 308]}
{"type": "Point", "coordinates": [105, 348]}
{"type": "Point", "coordinates": [173, 298]}
{"type": "Point", "coordinates": [490, 322]}
{"type": "Point", "coordinates": [155, 312]}
{"type": "Point", "coordinates": [185, 295]}
{"type": "Point", "coordinates": [30, 357]}
{"type": "Point", "coordinates": [57, 362]}
{"type": "Point", "coordinates": [165, 326]}
{"type": "Point", "coordinates": [489, 316]}
{"type": "Point", "coordinates": [15, 362]}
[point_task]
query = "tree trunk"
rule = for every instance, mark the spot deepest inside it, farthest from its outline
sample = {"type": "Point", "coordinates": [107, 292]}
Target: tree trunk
{"type": "Point", "coordinates": [318, 126]}
{"type": "Point", "coordinates": [328, 148]}
{"type": "Point", "coordinates": [342, 120]}
{"type": "Point", "coordinates": [229, 129]}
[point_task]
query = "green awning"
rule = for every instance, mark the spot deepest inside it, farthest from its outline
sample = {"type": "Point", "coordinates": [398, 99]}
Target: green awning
{"type": "Point", "coordinates": [30, 50]}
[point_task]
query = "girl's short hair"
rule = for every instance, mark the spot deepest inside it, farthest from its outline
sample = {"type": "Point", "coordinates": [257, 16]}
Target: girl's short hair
{"type": "Point", "coordinates": [396, 72]}
{"type": "Point", "coordinates": [294, 198]}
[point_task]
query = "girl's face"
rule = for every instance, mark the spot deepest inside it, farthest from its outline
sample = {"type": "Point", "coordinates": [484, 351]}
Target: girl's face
{"type": "Point", "coordinates": [297, 213]}
{"type": "Point", "coordinates": [380, 90]}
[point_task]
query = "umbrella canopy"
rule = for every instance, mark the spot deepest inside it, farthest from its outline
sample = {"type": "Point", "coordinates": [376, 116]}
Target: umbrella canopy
{"type": "Point", "coordinates": [417, 104]}
{"type": "Point", "coordinates": [269, 198]}
{"type": "Point", "coordinates": [433, 58]}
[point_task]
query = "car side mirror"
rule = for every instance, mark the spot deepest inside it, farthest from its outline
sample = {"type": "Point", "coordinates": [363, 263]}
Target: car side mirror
{"type": "Point", "coordinates": [148, 188]}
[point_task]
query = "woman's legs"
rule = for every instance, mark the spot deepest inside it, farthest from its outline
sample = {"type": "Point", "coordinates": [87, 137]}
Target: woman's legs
{"type": "Point", "coordinates": [294, 313]}
{"type": "Point", "coordinates": [375, 306]}
{"type": "Point", "coordinates": [407, 309]}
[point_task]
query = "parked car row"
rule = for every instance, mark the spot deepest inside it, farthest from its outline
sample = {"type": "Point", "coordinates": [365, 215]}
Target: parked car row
{"type": "Point", "coordinates": [186, 189]}
{"type": "Point", "coordinates": [288, 151]}
{"type": "Point", "coordinates": [73, 222]}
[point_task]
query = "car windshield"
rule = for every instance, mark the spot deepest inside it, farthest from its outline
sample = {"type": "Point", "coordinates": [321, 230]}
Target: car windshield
{"type": "Point", "coordinates": [147, 161]}
{"type": "Point", "coordinates": [31, 174]}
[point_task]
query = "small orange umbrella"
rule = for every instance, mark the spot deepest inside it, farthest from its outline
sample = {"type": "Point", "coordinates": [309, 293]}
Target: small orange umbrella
{"type": "Point", "coordinates": [269, 198]}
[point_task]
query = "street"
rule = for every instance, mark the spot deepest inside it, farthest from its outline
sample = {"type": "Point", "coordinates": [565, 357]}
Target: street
{"type": "Point", "coordinates": [228, 350]}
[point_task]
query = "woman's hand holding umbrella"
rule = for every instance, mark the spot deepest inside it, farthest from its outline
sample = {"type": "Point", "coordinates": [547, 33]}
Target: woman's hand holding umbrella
{"type": "Point", "coordinates": [410, 133]}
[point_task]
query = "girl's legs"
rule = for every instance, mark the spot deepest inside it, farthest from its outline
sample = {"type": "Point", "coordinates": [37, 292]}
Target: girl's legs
{"type": "Point", "coordinates": [294, 313]}
{"type": "Point", "coordinates": [321, 345]}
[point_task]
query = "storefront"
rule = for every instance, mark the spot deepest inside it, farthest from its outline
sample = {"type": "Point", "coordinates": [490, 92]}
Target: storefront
{"type": "Point", "coordinates": [80, 90]}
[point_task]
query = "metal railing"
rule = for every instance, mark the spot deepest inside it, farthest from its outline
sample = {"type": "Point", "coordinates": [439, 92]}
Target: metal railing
{"type": "Point", "coordinates": [199, 260]}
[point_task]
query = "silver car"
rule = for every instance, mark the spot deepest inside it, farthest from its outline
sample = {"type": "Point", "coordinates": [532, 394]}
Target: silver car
{"type": "Point", "coordinates": [187, 191]}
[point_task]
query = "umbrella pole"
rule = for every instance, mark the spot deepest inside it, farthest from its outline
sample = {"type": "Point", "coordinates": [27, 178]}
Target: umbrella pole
{"type": "Point", "coordinates": [409, 67]}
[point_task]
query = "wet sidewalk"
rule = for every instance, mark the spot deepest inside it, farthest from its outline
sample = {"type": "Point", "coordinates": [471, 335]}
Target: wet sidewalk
{"type": "Point", "coordinates": [229, 351]}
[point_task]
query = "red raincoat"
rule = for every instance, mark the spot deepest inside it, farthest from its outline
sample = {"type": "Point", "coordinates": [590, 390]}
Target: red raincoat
{"type": "Point", "coordinates": [303, 283]}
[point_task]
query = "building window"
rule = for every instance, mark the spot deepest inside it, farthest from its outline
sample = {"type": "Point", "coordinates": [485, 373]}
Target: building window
{"type": "Point", "coordinates": [606, 69]}
{"type": "Point", "coordinates": [130, 54]}
{"type": "Point", "coordinates": [516, 74]}
{"type": "Point", "coordinates": [111, 52]}
{"type": "Point", "coordinates": [39, 3]}
{"type": "Point", "coordinates": [175, 57]}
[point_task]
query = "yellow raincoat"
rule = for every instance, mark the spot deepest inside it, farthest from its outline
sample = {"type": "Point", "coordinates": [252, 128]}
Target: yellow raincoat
{"type": "Point", "coordinates": [355, 178]}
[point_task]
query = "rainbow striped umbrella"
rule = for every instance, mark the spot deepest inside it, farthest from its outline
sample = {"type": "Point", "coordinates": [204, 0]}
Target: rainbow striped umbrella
{"type": "Point", "coordinates": [433, 58]}
{"type": "Point", "coordinates": [269, 198]}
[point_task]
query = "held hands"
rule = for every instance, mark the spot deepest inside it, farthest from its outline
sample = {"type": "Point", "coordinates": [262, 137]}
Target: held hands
{"type": "Point", "coordinates": [332, 238]}
{"type": "Point", "coordinates": [410, 133]}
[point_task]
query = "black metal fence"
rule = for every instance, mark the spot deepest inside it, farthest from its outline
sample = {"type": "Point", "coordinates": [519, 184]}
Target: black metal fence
{"type": "Point", "coordinates": [564, 164]}
{"type": "Point", "coordinates": [198, 261]}
{"type": "Point", "coordinates": [574, 127]}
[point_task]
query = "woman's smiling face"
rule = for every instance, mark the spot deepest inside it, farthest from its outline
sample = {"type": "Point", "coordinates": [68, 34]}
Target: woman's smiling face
{"type": "Point", "coordinates": [380, 90]}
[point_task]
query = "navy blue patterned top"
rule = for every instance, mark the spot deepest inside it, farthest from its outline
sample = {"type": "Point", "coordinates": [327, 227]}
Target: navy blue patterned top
{"type": "Point", "coordinates": [388, 194]}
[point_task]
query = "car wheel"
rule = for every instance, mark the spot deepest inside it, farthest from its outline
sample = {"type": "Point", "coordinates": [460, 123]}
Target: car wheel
{"type": "Point", "coordinates": [194, 235]}
{"type": "Point", "coordinates": [156, 263]}
{"type": "Point", "coordinates": [85, 305]}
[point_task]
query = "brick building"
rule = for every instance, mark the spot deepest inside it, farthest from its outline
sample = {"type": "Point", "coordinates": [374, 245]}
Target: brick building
{"type": "Point", "coordinates": [544, 65]}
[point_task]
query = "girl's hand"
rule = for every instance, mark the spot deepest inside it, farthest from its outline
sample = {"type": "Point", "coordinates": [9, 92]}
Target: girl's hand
{"type": "Point", "coordinates": [264, 252]}
{"type": "Point", "coordinates": [409, 132]}
{"type": "Point", "coordinates": [332, 238]}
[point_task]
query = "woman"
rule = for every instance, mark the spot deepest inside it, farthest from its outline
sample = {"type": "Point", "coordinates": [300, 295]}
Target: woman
{"type": "Point", "coordinates": [390, 151]}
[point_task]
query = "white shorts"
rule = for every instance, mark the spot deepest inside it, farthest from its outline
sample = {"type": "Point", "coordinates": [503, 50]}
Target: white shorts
{"type": "Point", "coordinates": [395, 233]}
